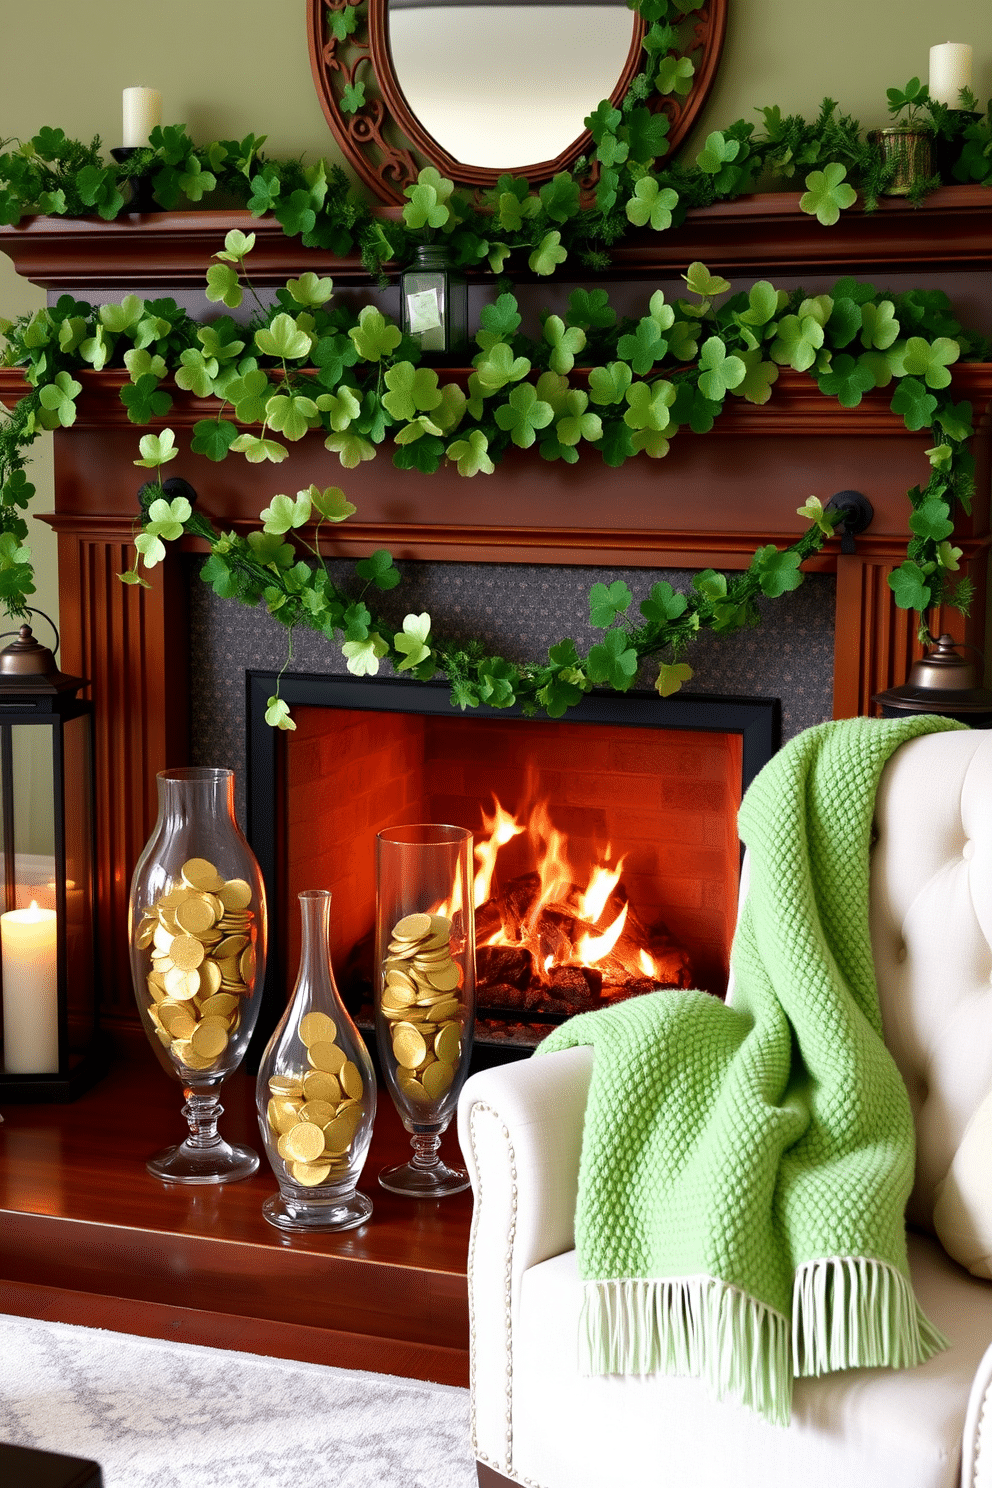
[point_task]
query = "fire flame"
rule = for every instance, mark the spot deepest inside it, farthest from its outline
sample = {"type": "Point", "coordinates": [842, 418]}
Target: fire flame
{"type": "Point", "coordinates": [559, 890]}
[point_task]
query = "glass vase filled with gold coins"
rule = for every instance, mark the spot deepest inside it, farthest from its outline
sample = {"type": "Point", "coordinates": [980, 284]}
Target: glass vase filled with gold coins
{"type": "Point", "coordinates": [424, 991]}
{"type": "Point", "coordinates": [316, 1094]}
{"type": "Point", "coordinates": [197, 927]}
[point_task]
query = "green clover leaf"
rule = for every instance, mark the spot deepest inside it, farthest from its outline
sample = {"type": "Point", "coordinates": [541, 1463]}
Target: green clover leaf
{"type": "Point", "coordinates": [284, 513]}
{"type": "Point", "coordinates": [710, 584]}
{"type": "Point", "coordinates": [195, 182]}
{"type": "Point", "coordinates": [309, 290]}
{"type": "Point", "coordinates": [671, 675]}
{"type": "Point", "coordinates": [759, 378]}
{"type": "Point", "coordinates": [717, 152]}
{"type": "Point", "coordinates": [547, 254]}
{"type": "Point", "coordinates": [166, 518]}
{"type": "Point", "coordinates": [956, 420]}
{"type": "Point", "coordinates": [412, 390]}
{"type": "Point", "coordinates": [213, 438]}
{"type": "Point", "coordinates": [663, 604]}
{"type": "Point", "coordinates": [797, 343]}
{"type": "Point", "coordinates": [122, 317]}
{"type": "Point", "coordinates": [151, 547]}
{"type": "Point", "coordinates": [604, 119]}
{"type": "Point", "coordinates": [196, 372]}
{"type": "Point", "coordinates": [498, 321]}
{"type": "Point", "coordinates": [283, 339]}
{"type": "Point", "coordinates": [373, 337]}
{"type": "Point", "coordinates": [879, 327]}
{"type": "Point", "coordinates": [451, 410]}
{"type": "Point", "coordinates": [157, 449]}
{"type": "Point", "coordinates": [718, 371]}
{"type": "Point", "coordinates": [921, 358]}
{"type": "Point", "coordinates": [223, 284]}
{"type": "Point", "coordinates": [277, 714]}
{"type": "Point", "coordinates": [675, 75]}
{"type": "Point", "coordinates": [291, 414]}
{"type": "Point", "coordinates": [701, 282]}
{"type": "Point", "coordinates": [683, 341]}
{"type": "Point", "coordinates": [764, 303]}
{"type": "Point", "coordinates": [249, 395]}
{"type": "Point", "coordinates": [814, 511]}
{"type": "Point", "coordinates": [560, 197]}
{"type": "Point", "coordinates": [590, 308]}
{"type": "Point", "coordinates": [424, 208]}
{"type": "Point", "coordinates": [644, 347]}
{"type": "Point", "coordinates": [565, 343]}
{"type": "Point", "coordinates": [609, 384]}
{"type": "Point", "coordinates": [649, 405]}
{"type": "Point", "coordinates": [378, 569]}
{"type": "Point", "coordinates": [256, 449]}
{"type": "Point", "coordinates": [497, 367]}
{"type": "Point", "coordinates": [350, 449]}
{"type": "Point", "coordinates": [237, 246]}
{"type": "Point", "coordinates": [341, 408]}
{"type": "Point", "coordinates": [847, 381]}
{"type": "Point", "coordinates": [606, 602]}
{"type": "Point", "coordinates": [523, 415]}
{"type": "Point", "coordinates": [59, 397]}
{"type": "Point", "coordinates": [908, 584]}
{"type": "Point", "coordinates": [411, 641]}
{"type": "Point", "coordinates": [777, 572]}
{"type": "Point", "coordinates": [144, 400]}
{"type": "Point", "coordinates": [470, 454]}
{"type": "Point", "coordinates": [613, 661]}
{"type": "Point", "coordinates": [140, 363]}
{"type": "Point", "coordinates": [363, 657]}
{"type": "Point", "coordinates": [576, 423]}
{"type": "Point", "coordinates": [916, 405]}
{"type": "Point", "coordinates": [948, 557]}
{"type": "Point", "coordinates": [331, 504]}
{"type": "Point", "coordinates": [827, 194]}
{"type": "Point", "coordinates": [931, 520]}
{"type": "Point", "coordinates": [941, 457]}
{"type": "Point", "coordinates": [652, 204]}
{"type": "Point", "coordinates": [415, 430]}
{"type": "Point", "coordinates": [96, 349]}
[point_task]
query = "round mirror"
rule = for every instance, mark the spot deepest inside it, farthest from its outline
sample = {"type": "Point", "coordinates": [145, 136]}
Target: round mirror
{"type": "Point", "coordinates": [478, 88]}
{"type": "Point", "coordinates": [507, 85]}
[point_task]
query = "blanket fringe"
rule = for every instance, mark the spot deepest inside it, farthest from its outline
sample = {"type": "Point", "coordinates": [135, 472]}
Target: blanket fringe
{"type": "Point", "coordinates": [853, 1313]}
{"type": "Point", "coordinates": [693, 1326]}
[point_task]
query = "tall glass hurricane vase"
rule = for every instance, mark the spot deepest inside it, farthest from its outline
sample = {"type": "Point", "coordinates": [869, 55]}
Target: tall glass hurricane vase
{"type": "Point", "coordinates": [316, 1094]}
{"type": "Point", "coordinates": [197, 930]}
{"type": "Point", "coordinates": [424, 991]}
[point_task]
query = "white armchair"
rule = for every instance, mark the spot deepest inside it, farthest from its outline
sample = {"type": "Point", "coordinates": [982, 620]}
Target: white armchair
{"type": "Point", "coordinates": [538, 1421]}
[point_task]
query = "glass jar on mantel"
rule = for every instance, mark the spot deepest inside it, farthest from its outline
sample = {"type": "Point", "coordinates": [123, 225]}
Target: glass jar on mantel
{"type": "Point", "coordinates": [197, 930]}
{"type": "Point", "coordinates": [316, 1094]}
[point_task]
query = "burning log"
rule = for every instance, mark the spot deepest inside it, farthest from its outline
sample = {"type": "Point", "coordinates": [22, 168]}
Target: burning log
{"type": "Point", "coordinates": [512, 965]}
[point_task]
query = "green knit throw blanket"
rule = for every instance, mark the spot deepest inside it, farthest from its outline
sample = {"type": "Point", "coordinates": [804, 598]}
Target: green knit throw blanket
{"type": "Point", "coordinates": [745, 1168]}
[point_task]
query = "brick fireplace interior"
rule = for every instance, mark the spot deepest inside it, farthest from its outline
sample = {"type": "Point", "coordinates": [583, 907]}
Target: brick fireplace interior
{"type": "Point", "coordinates": [615, 785]}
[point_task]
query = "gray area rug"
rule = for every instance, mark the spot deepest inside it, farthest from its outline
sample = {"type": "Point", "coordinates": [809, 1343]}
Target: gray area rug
{"type": "Point", "coordinates": [172, 1415]}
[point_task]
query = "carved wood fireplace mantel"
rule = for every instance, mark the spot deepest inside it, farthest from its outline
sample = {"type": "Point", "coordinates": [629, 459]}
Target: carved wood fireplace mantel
{"type": "Point", "coordinates": [709, 503]}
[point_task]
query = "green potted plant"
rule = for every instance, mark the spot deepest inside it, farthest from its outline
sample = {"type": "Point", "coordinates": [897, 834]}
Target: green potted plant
{"type": "Point", "coordinates": [907, 146]}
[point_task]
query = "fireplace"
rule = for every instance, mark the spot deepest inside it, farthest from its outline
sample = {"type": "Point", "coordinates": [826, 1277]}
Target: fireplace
{"type": "Point", "coordinates": [645, 789]}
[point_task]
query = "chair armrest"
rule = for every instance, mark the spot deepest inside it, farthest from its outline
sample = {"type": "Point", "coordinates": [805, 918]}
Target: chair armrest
{"type": "Point", "coordinates": [520, 1129]}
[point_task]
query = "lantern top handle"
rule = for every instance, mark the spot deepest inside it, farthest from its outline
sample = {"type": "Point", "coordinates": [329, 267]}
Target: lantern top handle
{"type": "Point", "coordinates": [27, 665]}
{"type": "Point", "coordinates": [30, 610]}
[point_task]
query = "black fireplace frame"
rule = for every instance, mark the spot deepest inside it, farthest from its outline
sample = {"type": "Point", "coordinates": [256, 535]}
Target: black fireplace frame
{"type": "Point", "coordinates": [758, 721]}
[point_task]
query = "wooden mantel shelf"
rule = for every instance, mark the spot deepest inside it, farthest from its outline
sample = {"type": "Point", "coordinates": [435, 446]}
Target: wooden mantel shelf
{"type": "Point", "coordinates": [756, 234]}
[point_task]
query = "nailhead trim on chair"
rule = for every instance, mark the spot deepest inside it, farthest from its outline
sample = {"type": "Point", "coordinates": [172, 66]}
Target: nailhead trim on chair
{"type": "Point", "coordinates": [511, 1235]}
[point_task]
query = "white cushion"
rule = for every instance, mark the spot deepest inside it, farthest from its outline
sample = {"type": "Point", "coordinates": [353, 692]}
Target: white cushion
{"type": "Point", "coordinates": [931, 906]}
{"type": "Point", "coordinates": [869, 1428]}
{"type": "Point", "coordinates": [962, 1215]}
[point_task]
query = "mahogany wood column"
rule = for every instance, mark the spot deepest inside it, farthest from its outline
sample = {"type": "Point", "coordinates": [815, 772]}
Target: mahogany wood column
{"type": "Point", "coordinates": [131, 646]}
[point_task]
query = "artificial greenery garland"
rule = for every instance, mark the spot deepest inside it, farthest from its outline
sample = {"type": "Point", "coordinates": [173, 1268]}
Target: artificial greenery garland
{"type": "Point", "coordinates": [301, 365]}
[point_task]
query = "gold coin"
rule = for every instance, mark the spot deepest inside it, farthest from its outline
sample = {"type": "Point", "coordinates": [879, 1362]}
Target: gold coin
{"type": "Point", "coordinates": [230, 947]}
{"type": "Point", "coordinates": [210, 977]}
{"type": "Point", "coordinates": [309, 1174]}
{"type": "Point", "coordinates": [195, 1061]}
{"type": "Point", "coordinates": [178, 1022]}
{"type": "Point", "coordinates": [442, 1011]}
{"type": "Point", "coordinates": [305, 1143]}
{"type": "Point", "coordinates": [209, 1040]}
{"type": "Point", "coordinates": [229, 969]}
{"type": "Point", "coordinates": [281, 1148]}
{"type": "Point", "coordinates": [318, 1085]}
{"type": "Point", "coordinates": [219, 1005]}
{"type": "Point", "coordinates": [235, 894]}
{"type": "Point", "coordinates": [246, 963]}
{"type": "Point", "coordinates": [156, 987]}
{"type": "Point", "coordinates": [400, 951]}
{"type": "Point", "coordinates": [340, 1133]}
{"type": "Point", "coordinates": [286, 1084]}
{"type": "Point", "coordinates": [186, 953]}
{"type": "Point", "coordinates": [400, 980]}
{"type": "Point", "coordinates": [408, 1046]}
{"type": "Point", "coordinates": [351, 1081]}
{"type": "Point", "coordinates": [164, 1038]}
{"type": "Point", "coordinates": [284, 1115]}
{"type": "Point", "coordinates": [425, 958]}
{"type": "Point", "coordinates": [448, 1044]}
{"type": "Point", "coordinates": [412, 927]}
{"type": "Point", "coordinates": [437, 1079]}
{"type": "Point", "coordinates": [182, 984]}
{"type": "Point", "coordinates": [144, 934]}
{"type": "Point", "coordinates": [415, 1092]}
{"type": "Point", "coordinates": [199, 874]}
{"type": "Point", "coordinates": [319, 1112]}
{"type": "Point", "coordinates": [195, 915]}
{"type": "Point", "coordinates": [394, 999]}
{"type": "Point", "coordinates": [180, 1048]}
{"type": "Point", "coordinates": [167, 918]}
{"type": "Point", "coordinates": [445, 979]}
{"type": "Point", "coordinates": [326, 1057]}
{"type": "Point", "coordinates": [440, 925]}
{"type": "Point", "coordinates": [162, 940]}
{"type": "Point", "coordinates": [317, 1028]}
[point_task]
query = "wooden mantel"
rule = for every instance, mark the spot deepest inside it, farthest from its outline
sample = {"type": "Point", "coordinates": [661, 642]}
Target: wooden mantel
{"type": "Point", "coordinates": [710, 502]}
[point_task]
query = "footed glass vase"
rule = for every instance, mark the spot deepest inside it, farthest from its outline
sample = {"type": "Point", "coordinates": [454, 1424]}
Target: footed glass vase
{"type": "Point", "coordinates": [316, 1094]}
{"type": "Point", "coordinates": [197, 929]}
{"type": "Point", "coordinates": [424, 992]}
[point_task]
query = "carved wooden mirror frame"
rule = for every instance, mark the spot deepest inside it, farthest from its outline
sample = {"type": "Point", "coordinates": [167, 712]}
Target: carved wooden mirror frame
{"type": "Point", "coordinates": [387, 145]}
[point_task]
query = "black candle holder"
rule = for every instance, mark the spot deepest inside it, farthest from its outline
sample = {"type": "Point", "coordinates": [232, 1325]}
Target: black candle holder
{"type": "Point", "coordinates": [140, 197]}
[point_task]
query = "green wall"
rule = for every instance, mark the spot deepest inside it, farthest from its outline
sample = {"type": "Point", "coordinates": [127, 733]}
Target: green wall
{"type": "Point", "coordinates": [228, 70]}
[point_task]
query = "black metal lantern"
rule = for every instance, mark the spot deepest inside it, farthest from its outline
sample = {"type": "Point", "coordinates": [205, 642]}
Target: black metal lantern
{"type": "Point", "coordinates": [434, 303]}
{"type": "Point", "coordinates": [47, 928]}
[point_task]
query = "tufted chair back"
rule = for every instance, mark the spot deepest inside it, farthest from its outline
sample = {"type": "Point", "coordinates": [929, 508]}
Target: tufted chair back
{"type": "Point", "coordinates": [931, 926]}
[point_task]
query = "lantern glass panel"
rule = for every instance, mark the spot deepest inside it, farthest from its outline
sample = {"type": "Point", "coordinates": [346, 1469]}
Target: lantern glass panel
{"type": "Point", "coordinates": [34, 817]}
{"type": "Point", "coordinates": [79, 885]}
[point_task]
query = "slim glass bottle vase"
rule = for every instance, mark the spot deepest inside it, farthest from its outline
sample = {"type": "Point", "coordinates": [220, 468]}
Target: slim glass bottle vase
{"type": "Point", "coordinates": [424, 991]}
{"type": "Point", "coordinates": [316, 1094]}
{"type": "Point", "coordinates": [197, 930]}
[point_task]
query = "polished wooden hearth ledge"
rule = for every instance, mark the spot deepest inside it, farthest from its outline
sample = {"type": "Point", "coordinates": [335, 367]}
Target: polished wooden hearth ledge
{"type": "Point", "coordinates": [88, 1236]}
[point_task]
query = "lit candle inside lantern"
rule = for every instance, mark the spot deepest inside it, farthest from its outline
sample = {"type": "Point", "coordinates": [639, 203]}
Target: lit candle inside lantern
{"type": "Point", "coordinates": [142, 114]}
{"type": "Point", "coordinates": [950, 71]}
{"type": "Point", "coordinates": [30, 991]}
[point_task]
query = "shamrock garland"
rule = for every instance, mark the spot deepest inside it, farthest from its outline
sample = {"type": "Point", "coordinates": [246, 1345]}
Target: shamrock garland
{"type": "Point", "coordinates": [620, 387]}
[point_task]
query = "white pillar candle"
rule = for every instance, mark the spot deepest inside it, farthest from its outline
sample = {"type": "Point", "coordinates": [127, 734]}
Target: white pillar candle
{"type": "Point", "coordinates": [30, 992]}
{"type": "Point", "coordinates": [142, 112]}
{"type": "Point", "coordinates": [950, 71]}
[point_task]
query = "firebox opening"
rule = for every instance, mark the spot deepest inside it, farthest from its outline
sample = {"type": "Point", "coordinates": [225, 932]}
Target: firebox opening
{"type": "Point", "coordinates": [606, 853]}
